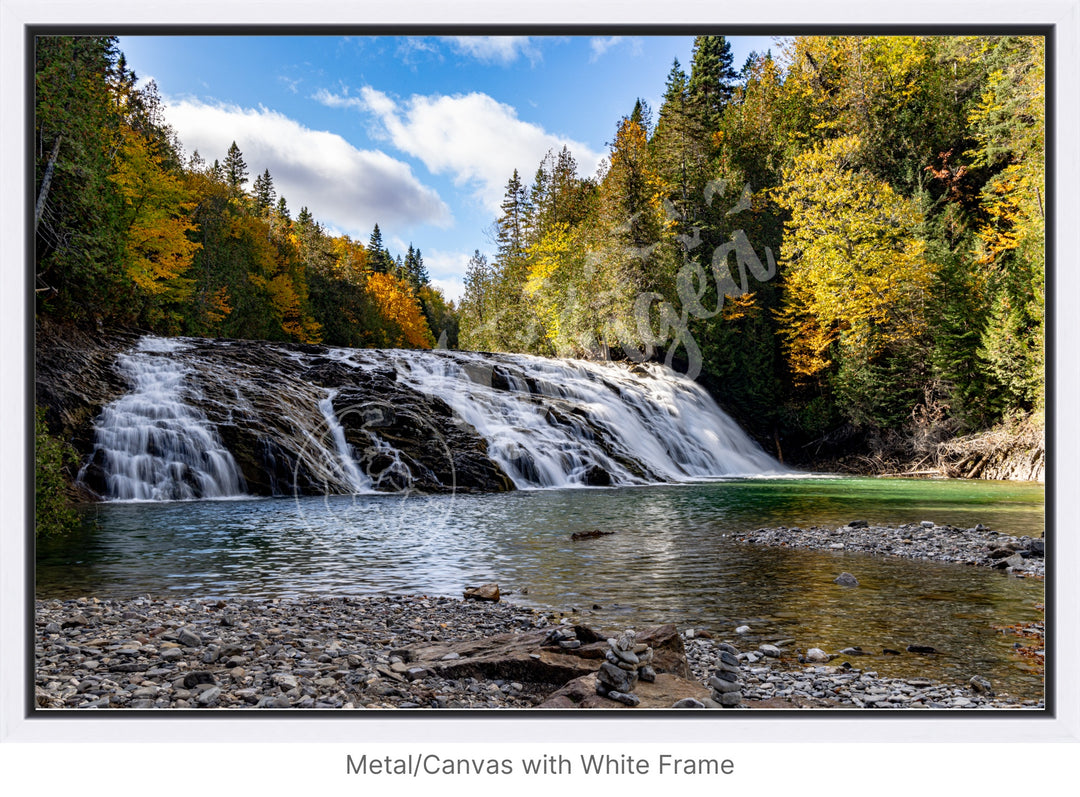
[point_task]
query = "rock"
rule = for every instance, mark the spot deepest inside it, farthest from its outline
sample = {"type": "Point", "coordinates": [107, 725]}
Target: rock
{"type": "Point", "coordinates": [730, 699]}
{"type": "Point", "coordinates": [927, 524]}
{"type": "Point", "coordinates": [662, 693]}
{"type": "Point", "coordinates": [723, 686]}
{"type": "Point", "coordinates": [858, 524]}
{"type": "Point", "coordinates": [846, 580]}
{"type": "Point", "coordinates": [616, 677]}
{"type": "Point", "coordinates": [209, 696]}
{"type": "Point", "coordinates": [981, 686]}
{"type": "Point", "coordinates": [188, 638]}
{"type": "Point", "coordinates": [925, 649]}
{"type": "Point", "coordinates": [193, 679]}
{"type": "Point", "coordinates": [771, 651]}
{"type": "Point", "coordinates": [485, 592]}
{"type": "Point", "coordinates": [626, 698]}
{"type": "Point", "coordinates": [816, 655]}
{"type": "Point", "coordinates": [688, 702]}
{"type": "Point", "coordinates": [590, 535]}
{"type": "Point", "coordinates": [742, 629]}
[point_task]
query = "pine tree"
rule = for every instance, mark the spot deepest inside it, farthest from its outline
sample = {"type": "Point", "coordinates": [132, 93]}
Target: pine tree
{"type": "Point", "coordinates": [414, 270]}
{"type": "Point", "coordinates": [235, 168]}
{"type": "Point", "coordinates": [264, 191]}
{"type": "Point", "coordinates": [712, 79]}
{"type": "Point", "coordinates": [379, 258]}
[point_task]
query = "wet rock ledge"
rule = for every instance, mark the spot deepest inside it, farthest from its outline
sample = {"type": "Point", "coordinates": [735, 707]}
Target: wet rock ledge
{"type": "Point", "coordinates": [979, 546]}
{"type": "Point", "coordinates": [390, 652]}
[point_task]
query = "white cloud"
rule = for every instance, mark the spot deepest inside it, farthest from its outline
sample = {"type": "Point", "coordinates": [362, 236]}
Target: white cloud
{"type": "Point", "coordinates": [495, 49]}
{"type": "Point", "coordinates": [601, 45]}
{"type": "Point", "coordinates": [473, 138]}
{"type": "Point", "coordinates": [343, 187]}
{"type": "Point", "coordinates": [452, 289]}
{"type": "Point", "coordinates": [447, 271]}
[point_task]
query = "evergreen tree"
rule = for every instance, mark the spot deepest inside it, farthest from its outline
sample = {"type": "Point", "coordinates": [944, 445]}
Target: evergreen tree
{"type": "Point", "coordinates": [712, 79]}
{"type": "Point", "coordinates": [235, 168]}
{"type": "Point", "coordinates": [264, 191]}
{"type": "Point", "coordinates": [379, 259]}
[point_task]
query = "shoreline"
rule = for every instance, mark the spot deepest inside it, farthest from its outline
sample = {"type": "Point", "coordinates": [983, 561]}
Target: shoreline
{"type": "Point", "coordinates": [1018, 556]}
{"type": "Point", "coordinates": [352, 652]}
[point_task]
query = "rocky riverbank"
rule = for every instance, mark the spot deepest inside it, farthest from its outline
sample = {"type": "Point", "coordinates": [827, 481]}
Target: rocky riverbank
{"type": "Point", "coordinates": [411, 652]}
{"type": "Point", "coordinates": [979, 546]}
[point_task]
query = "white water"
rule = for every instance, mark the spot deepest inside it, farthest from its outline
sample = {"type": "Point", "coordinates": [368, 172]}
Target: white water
{"type": "Point", "coordinates": [563, 417]}
{"type": "Point", "coordinates": [547, 423]}
{"type": "Point", "coordinates": [358, 481]}
{"type": "Point", "coordinates": [155, 446]}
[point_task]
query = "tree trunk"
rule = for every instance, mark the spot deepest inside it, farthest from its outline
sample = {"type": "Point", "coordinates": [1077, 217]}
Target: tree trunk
{"type": "Point", "coordinates": [44, 192]}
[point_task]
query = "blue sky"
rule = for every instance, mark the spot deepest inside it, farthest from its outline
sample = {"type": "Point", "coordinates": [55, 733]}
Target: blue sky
{"type": "Point", "coordinates": [417, 134]}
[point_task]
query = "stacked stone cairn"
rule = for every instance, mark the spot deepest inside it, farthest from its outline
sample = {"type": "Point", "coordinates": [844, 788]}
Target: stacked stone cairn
{"type": "Point", "coordinates": [627, 660]}
{"type": "Point", "coordinates": [726, 689]}
{"type": "Point", "coordinates": [565, 637]}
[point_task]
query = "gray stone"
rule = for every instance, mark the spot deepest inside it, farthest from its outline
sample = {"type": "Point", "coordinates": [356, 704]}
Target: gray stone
{"type": "Point", "coordinates": [723, 687]}
{"type": "Point", "coordinates": [188, 638]}
{"type": "Point", "coordinates": [816, 655]}
{"type": "Point", "coordinates": [615, 677]}
{"type": "Point", "coordinates": [729, 699]}
{"type": "Point", "coordinates": [981, 686]}
{"type": "Point", "coordinates": [625, 655]}
{"type": "Point", "coordinates": [846, 580]}
{"type": "Point", "coordinates": [647, 674]}
{"type": "Point", "coordinates": [688, 702]}
{"type": "Point", "coordinates": [209, 696]}
{"type": "Point", "coordinates": [771, 651]}
{"type": "Point", "coordinates": [626, 698]}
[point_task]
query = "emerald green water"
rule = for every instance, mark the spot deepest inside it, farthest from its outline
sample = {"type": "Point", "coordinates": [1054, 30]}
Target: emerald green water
{"type": "Point", "coordinates": [671, 559]}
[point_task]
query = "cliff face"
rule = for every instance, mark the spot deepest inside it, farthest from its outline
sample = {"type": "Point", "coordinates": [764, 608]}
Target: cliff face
{"type": "Point", "coordinates": [276, 408]}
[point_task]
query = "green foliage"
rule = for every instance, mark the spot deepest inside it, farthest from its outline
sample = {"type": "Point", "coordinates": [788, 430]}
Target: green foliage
{"type": "Point", "coordinates": [900, 178]}
{"type": "Point", "coordinates": [53, 513]}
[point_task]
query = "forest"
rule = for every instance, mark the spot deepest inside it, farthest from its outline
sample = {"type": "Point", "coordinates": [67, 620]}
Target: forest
{"type": "Point", "coordinates": [843, 240]}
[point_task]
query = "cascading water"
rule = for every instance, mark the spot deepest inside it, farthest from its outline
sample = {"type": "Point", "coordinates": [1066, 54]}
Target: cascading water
{"type": "Point", "coordinates": [212, 419]}
{"type": "Point", "coordinates": [563, 423]}
{"type": "Point", "coordinates": [358, 481]}
{"type": "Point", "coordinates": [152, 445]}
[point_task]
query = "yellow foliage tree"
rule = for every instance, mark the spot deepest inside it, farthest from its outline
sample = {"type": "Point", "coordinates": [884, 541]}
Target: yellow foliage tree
{"type": "Point", "coordinates": [157, 208]}
{"type": "Point", "coordinates": [398, 307]}
{"type": "Point", "coordinates": [855, 270]}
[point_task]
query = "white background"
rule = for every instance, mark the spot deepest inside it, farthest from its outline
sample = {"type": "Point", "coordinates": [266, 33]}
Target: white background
{"type": "Point", "coordinates": [795, 754]}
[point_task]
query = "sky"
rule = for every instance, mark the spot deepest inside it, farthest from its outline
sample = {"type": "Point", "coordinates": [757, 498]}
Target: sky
{"type": "Point", "coordinates": [416, 134]}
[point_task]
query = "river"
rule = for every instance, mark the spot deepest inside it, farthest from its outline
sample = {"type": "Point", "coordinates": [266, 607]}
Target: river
{"type": "Point", "coordinates": [671, 558]}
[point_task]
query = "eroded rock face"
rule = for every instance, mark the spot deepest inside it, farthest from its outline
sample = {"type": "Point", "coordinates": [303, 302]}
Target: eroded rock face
{"type": "Point", "coordinates": [295, 420]}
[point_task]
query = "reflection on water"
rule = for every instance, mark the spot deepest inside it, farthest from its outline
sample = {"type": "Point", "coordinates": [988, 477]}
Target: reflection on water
{"type": "Point", "coordinates": [669, 560]}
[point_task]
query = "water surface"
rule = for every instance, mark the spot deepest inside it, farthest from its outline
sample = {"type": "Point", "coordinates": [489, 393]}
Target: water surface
{"type": "Point", "coordinates": [671, 559]}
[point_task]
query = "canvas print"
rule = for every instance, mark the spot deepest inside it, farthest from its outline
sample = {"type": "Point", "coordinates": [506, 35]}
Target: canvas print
{"type": "Point", "coordinates": [523, 374]}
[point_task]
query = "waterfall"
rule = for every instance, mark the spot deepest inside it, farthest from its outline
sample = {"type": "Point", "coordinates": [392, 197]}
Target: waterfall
{"type": "Point", "coordinates": [566, 423]}
{"type": "Point", "coordinates": [213, 419]}
{"type": "Point", "coordinates": [151, 444]}
{"type": "Point", "coordinates": [346, 468]}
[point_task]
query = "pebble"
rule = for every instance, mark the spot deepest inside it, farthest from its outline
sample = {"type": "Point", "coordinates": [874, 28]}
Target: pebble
{"type": "Point", "coordinates": [335, 652]}
{"type": "Point", "coordinates": [827, 686]}
{"type": "Point", "coordinates": [978, 546]}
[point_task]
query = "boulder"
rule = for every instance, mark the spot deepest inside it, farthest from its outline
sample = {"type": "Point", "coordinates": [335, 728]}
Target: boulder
{"type": "Point", "coordinates": [485, 592]}
{"type": "Point", "coordinates": [846, 580]}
